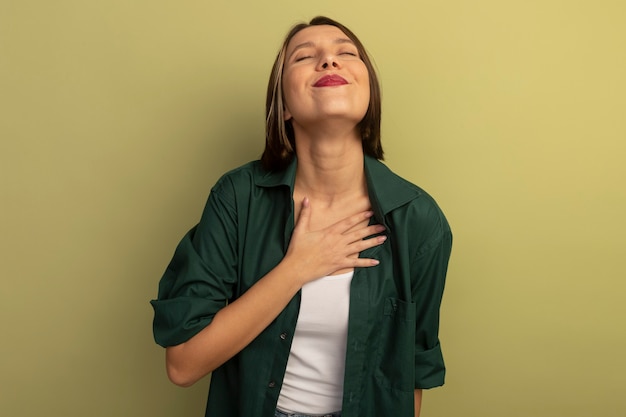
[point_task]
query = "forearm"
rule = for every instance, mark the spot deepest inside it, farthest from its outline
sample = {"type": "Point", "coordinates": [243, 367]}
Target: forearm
{"type": "Point", "coordinates": [233, 327]}
{"type": "Point", "coordinates": [418, 402]}
{"type": "Point", "coordinates": [311, 255]}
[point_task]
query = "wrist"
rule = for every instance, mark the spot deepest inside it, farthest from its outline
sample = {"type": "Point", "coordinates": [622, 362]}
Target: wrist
{"type": "Point", "coordinates": [290, 271]}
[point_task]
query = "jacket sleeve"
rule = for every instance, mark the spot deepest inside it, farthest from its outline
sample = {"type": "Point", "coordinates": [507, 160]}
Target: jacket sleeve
{"type": "Point", "coordinates": [200, 278]}
{"type": "Point", "coordinates": [429, 267]}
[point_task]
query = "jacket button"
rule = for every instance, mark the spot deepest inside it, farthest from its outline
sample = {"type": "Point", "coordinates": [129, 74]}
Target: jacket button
{"type": "Point", "coordinates": [283, 336]}
{"type": "Point", "coordinates": [271, 384]}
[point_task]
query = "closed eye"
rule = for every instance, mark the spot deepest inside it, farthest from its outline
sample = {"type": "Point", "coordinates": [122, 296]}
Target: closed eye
{"type": "Point", "coordinates": [301, 58]}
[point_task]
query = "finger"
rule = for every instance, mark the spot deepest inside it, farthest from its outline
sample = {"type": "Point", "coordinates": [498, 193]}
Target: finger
{"type": "Point", "coordinates": [362, 233]}
{"type": "Point", "coordinates": [363, 244]}
{"type": "Point", "coordinates": [364, 262]}
{"type": "Point", "coordinates": [351, 221]}
{"type": "Point", "coordinates": [305, 214]}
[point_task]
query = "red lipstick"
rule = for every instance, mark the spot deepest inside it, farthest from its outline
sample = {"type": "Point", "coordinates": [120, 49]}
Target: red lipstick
{"type": "Point", "coordinates": [330, 80]}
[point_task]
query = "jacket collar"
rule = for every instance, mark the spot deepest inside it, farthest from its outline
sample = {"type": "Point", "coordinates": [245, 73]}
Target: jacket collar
{"type": "Point", "coordinates": [387, 190]}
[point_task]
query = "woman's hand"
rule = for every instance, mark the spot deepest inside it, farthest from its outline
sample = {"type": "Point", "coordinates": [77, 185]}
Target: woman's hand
{"type": "Point", "coordinates": [311, 255]}
{"type": "Point", "coordinates": [318, 253]}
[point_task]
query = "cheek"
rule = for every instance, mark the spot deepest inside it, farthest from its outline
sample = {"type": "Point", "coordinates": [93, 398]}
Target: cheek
{"type": "Point", "coordinates": [292, 93]}
{"type": "Point", "coordinates": [364, 80]}
{"type": "Point", "coordinates": [286, 92]}
{"type": "Point", "coordinates": [286, 103]}
{"type": "Point", "coordinates": [365, 88]}
{"type": "Point", "coordinates": [291, 79]}
{"type": "Point", "coordinates": [288, 88]}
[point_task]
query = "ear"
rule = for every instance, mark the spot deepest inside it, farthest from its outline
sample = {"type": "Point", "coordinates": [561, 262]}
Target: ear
{"type": "Point", "coordinates": [286, 114]}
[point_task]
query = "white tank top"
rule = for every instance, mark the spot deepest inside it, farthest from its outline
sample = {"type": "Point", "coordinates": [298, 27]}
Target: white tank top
{"type": "Point", "coordinates": [313, 382]}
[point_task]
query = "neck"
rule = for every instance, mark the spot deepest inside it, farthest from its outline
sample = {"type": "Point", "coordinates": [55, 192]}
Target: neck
{"type": "Point", "coordinates": [330, 169]}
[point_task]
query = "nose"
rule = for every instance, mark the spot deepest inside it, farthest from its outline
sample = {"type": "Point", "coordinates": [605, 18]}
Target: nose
{"type": "Point", "coordinates": [328, 61]}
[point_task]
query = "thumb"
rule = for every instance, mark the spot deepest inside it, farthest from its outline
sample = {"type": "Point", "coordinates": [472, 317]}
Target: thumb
{"type": "Point", "coordinates": [305, 214]}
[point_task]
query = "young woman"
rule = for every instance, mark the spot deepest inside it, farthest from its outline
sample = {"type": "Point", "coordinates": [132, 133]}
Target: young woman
{"type": "Point", "coordinates": [312, 284]}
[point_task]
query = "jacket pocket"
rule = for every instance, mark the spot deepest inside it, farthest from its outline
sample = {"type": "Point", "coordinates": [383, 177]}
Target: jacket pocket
{"type": "Point", "coordinates": [396, 347]}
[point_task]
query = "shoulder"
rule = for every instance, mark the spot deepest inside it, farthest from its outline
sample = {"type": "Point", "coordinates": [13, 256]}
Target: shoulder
{"type": "Point", "coordinates": [238, 180]}
{"type": "Point", "coordinates": [415, 213]}
{"type": "Point", "coordinates": [240, 176]}
{"type": "Point", "coordinates": [395, 194]}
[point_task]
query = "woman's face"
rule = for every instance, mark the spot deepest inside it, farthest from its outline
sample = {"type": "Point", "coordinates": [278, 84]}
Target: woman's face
{"type": "Point", "coordinates": [324, 78]}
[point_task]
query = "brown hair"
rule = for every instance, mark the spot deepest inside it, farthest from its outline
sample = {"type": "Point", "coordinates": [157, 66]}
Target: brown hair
{"type": "Point", "coordinates": [280, 142]}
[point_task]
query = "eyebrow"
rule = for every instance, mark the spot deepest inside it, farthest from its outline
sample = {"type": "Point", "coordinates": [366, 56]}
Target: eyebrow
{"type": "Point", "coordinates": [303, 45]}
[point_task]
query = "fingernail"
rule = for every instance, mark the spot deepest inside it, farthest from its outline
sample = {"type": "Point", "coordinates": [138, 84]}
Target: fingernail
{"type": "Point", "coordinates": [375, 262]}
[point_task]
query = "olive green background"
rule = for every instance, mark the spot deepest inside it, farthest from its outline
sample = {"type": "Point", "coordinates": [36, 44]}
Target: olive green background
{"type": "Point", "coordinates": [117, 116]}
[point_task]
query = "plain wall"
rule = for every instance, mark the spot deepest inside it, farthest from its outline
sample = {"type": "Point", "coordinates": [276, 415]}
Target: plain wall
{"type": "Point", "coordinates": [117, 117]}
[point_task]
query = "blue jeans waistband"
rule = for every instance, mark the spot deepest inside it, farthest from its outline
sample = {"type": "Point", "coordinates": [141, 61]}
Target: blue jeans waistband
{"type": "Point", "coordinates": [283, 414]}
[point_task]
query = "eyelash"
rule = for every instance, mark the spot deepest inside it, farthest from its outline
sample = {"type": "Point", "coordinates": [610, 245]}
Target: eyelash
{"type": "Point", "coordinates": [302, 58]}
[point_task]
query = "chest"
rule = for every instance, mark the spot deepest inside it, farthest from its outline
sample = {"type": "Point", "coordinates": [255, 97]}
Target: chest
{"type": "Point", "coordinates": [323, 214]}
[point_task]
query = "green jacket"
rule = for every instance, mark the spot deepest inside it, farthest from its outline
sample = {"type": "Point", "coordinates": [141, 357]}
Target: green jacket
{"type": "Point", "coordinates": [393, 345]}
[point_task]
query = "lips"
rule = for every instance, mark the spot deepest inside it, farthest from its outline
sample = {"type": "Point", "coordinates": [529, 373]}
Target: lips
{"type": "Point", "coordinates": [330, 81]}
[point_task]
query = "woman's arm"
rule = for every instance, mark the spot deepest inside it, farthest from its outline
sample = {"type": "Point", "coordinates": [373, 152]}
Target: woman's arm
{"type": "Point", "coordinates": [418, 402]}
{"type": "Point", "coordinates": [311, 254]}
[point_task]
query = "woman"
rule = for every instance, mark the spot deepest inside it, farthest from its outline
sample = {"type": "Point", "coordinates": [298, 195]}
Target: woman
{"type": "Point", "coordinates": [312, 284]}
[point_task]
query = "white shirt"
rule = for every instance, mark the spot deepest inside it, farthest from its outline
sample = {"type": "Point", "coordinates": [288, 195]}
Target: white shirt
{"type": "Point", "coordinates": [313, 382]}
